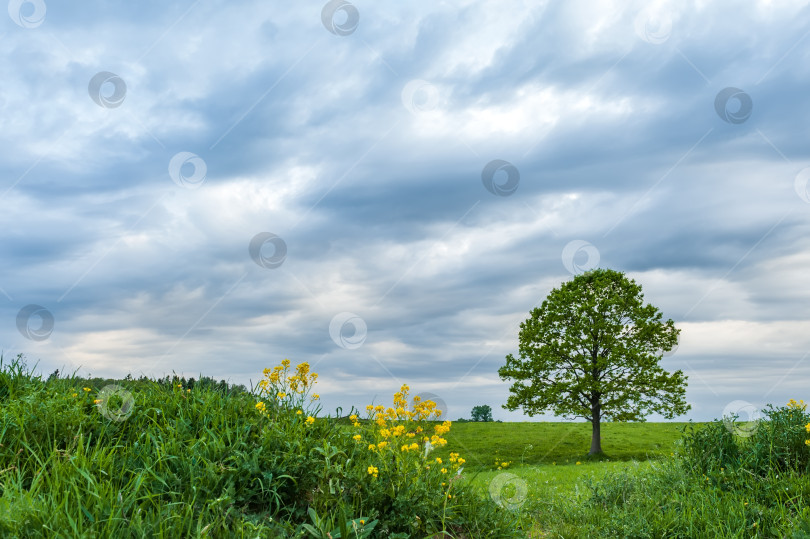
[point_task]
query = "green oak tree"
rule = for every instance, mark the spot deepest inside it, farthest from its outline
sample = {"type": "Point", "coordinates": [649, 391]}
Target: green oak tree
{"type": "Point", "coordinates": [592, 350]}
{"type": "Point", "coordinates": [481, 413]}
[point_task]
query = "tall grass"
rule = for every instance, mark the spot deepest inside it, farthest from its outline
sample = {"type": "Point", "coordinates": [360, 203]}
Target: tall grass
{"type": "Point", "coordinates": [195, 458]}
{"type": "Point", "coordinates": [167, 458]}
{"type": "Point", "coordinates": [724, 482]}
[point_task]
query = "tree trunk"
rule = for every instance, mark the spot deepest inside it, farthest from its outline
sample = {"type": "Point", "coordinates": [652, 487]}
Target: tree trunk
{"type": "Point", "coordinates": [596, 436]}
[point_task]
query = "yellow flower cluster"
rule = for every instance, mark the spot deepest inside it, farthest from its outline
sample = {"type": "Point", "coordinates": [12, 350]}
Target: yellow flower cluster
{"type": "Point", "coordinates": [291, 388]}
{"type": "Point", "coordinates": [302, 378]}
{"type": "Point", "coordinates": [279, 377]}
{"type": "Point", "coordinates": [282, 389]}
{"type": "Point", "coordinates": [456, 460]}
{"type": "Point", "coordinates": [503, 464]}
{"type": "Point", "coordinates": [400, 429]}
{"type": "Point", "coordinates": [422, 411]}
{"type": "Point", "coordinates": [800, 405]}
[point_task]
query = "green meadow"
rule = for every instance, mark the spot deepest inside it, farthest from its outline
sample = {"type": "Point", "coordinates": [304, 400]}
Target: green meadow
{"type": "Point", "coordinates": [180, 457]}
{"type": "Point", "coordinates": [535, 443]}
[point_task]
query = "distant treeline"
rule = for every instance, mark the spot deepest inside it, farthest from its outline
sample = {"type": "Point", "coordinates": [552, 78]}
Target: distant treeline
{"type": "Point", "coordinates": [204, 382]}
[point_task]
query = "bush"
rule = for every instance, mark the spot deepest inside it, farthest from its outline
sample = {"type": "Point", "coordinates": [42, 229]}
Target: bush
{"type": "Point", "coordinates": [777, 444]}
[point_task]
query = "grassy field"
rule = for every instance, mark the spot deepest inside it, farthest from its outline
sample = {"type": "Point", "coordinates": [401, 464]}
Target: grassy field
{"type": "Point", "coordinates": [185, 458]}
{"type": "Point", "coordinates": [533, 443]}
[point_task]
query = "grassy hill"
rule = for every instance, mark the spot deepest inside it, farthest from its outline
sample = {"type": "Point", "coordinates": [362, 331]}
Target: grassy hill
{"type": "Point", "coordinates": [200, 458]}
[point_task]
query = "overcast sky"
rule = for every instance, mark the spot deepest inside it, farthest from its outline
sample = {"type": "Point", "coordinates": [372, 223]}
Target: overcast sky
{"type": "Point", "coordinates": [386, 189]}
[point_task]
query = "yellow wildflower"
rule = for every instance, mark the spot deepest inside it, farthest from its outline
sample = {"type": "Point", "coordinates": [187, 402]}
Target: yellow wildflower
{"type": "Point", "coordinates": [310, 420]}
{"type": "Point", "coordinates": [87, 389]}
{"type": "Point", "coordinates": [357, 437]}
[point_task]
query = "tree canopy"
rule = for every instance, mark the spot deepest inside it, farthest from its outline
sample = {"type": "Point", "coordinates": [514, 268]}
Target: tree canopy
{"type": "Point", "coordinates": [593, 350]}
{"type": "Point", "coordinates": [481, 413]}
